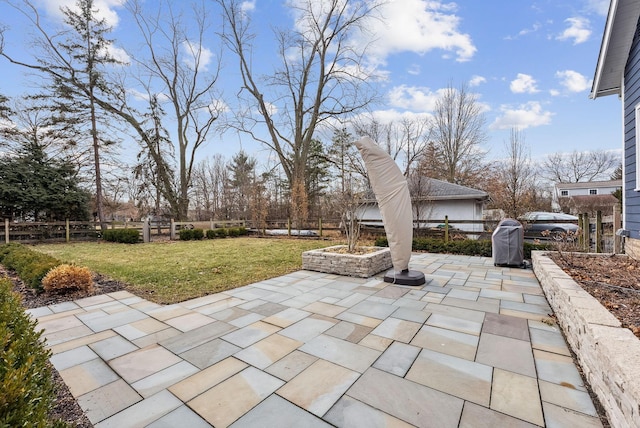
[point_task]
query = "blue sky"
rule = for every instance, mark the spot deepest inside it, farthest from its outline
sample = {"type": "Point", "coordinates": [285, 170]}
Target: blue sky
{"type": "Point", "coordinates": [530, 63]}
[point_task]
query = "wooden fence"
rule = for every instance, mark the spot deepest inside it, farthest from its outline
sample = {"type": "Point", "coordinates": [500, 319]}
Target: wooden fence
{"type": "Point", "coordinates": [597, 233]}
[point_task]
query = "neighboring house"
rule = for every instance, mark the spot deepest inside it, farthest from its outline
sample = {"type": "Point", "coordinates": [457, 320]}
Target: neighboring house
{"type": "Point", "coordinates": [618, 73]}
{"type": "Point", "coordinates": [578, 198]}
{"type": "Point", "coordinates": [433, 199]}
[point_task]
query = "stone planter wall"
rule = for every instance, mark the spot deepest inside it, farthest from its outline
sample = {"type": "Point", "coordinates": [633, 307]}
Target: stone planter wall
{"type": "Point", "coordinates": [608, 354]}
{"type": "Point", "coordinates": [363, 266]}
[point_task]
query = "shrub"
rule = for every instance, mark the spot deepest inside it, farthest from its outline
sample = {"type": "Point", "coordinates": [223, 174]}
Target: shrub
{"type": "Point", "coordinates": [189, 234]}
{"type": "Point", "coordinates": [186, 234]}
{"type": "Point", "coordinates": [31, 266]}
{"type": "Point", "coordinates": [217, 233]}
{"type": "Point", "coordinates": [67, 277]}
{"type": "Point", "coordinates": [123, 236]}
{"type": "Point", "coordinates": [469, 247]}
{"type": "Point", "coordinates": [237, 231]}
{"type": "Point", "coordinates": [26, 388]}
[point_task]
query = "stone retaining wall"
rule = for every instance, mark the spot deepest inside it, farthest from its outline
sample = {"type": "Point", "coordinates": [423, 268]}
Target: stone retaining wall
{"type": "Point", "coordinates": [632, 247]}
{"type": "Point", "coordinates": [608, 354]}
{"type": "Point", "coordinates": [363, 266]}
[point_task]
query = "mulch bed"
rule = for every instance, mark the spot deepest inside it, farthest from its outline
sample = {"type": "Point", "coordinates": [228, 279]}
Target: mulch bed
{"type": "Point", "coordinates": [614, 280]}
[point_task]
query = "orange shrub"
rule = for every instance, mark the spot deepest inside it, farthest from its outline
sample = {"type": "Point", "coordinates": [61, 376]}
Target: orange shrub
{"type": "Point", "coordinates": [67, 277]}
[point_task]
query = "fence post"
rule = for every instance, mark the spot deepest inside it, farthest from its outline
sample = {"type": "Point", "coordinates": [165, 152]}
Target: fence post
{"type": "Point", "coordinates": [6, 230]}
{"type": "Point", "coordinates": [586, 232]}
{"type": "Point", "coordinates": [598, 231]}
{"type": "Point", "coordinates": [617, 240]}
{"type": "Point", "coordinates": [446, 228]}
{"type": "Point", "coordinates": [289, 227]}
{"type": "Point", "coordinates": [320, 226]}
{"type": "Point", "coordinates": [146, 231]}
{"type": "Point", "coordinates": [68, 233]}
{"type": "Point", "coordinates": [580, 235]}
{"type": "Point", "coordinates": [172, 230]}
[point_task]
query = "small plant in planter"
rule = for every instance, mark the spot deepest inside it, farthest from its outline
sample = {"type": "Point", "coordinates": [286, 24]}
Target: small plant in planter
{"type": "Point", "coordinates": [350, 202]}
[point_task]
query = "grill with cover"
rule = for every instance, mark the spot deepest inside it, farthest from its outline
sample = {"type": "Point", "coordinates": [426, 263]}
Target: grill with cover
{"type": "Point", "coordinates": [507, 243]}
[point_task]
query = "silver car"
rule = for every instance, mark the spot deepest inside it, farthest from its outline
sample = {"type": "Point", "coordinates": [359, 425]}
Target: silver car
{"type": "Point", "coordinates": [558, 224]}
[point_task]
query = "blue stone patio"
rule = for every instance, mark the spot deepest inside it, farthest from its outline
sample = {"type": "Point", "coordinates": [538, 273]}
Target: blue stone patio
{"type": "Point", "coordinates": [474, 347]}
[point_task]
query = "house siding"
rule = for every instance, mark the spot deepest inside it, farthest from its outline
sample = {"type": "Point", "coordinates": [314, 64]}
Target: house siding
{"type": "Point", "coordinates": [631, 99]}
{"type": "Point", "coordinates": [435, 210]}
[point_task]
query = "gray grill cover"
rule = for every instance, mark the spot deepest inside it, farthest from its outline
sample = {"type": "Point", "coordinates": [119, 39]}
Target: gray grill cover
{"type": "Point", "coordinates": [507, 243]}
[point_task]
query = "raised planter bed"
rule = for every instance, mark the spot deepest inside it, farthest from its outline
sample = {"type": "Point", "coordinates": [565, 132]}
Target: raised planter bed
{"type": "Point", "coordinates": [329, 261]}
{"type": "Point", "coordinates": [608, 354]}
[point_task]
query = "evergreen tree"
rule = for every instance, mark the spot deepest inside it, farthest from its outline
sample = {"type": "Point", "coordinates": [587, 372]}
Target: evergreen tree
{"type": "Point", "coordinates": [317, 174]}
{"type": "Point", "coordinates": [80, 79]}
{"type": "Point", "coordinates": [34, 186]}
{"type": "Point", "coordinates": [243, 177]}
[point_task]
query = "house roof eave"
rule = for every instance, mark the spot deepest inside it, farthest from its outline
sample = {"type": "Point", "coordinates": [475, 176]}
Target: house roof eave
{"type": "Point", "coordinates": [614, 49]}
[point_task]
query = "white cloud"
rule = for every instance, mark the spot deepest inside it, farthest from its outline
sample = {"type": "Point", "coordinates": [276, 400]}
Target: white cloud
{"type": "Point", "coordinates": [218, 106]}
{"type": "Point", "coordinates": [477, 80]}
{"type": "Point", "coordinates": [523, 83]}
{"type": "Point", "coordinates": [601, 7]}
{"type": "Point", "coordinates": [196, 55]}
{"type": "Point", "coordinates": [106, 9]}
{"type": "Point", "coordinates": [248, 6]}
{"type": "Point", "coordinates": [119, 54]}
{"type": "Point", "coordinates": [413, 98]}
{"type": "Point", "coordinates": [414, 69]}
{"type": "Point", "coordinates": [524, 116]}
{"type": "Point", "coordinates": [578, 30]}
{"type": "Point", "coordinates": [144, 96]}
{"type": "Point", "coordinates": [418, 26]}
{"type": "Point", "coordinates": [535, 27]}
{"type": "Point", "coordinates": [573, 81]}
{"type": "Point", "coordinates": [388, 116]}
{"type": "Point", "coordinates": [272, 109]}
{"type": "Point", "coordinates": [554, 92]}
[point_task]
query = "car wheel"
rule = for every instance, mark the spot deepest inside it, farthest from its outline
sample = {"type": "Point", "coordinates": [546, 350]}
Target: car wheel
{"type": "Point", "coordinates": [557, 234]}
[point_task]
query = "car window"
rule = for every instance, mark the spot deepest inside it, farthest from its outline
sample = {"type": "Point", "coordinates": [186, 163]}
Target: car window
{"type": "Point", "coordinates": [544, 217]}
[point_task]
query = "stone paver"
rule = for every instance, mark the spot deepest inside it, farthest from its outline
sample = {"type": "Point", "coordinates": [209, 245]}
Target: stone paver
{"type": "Point", "coordinates": [108, 400]}
{"type": "Point", "coordinates": [319, 386]}
{"type": "Point", "coordinates": [467, 349]}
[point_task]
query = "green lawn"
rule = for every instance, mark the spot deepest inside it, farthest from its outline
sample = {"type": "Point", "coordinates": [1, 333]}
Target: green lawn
{"type": "Point", "coordinates": [174, 271]}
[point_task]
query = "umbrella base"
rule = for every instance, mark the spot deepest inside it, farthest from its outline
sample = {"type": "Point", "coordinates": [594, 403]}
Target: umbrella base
{"type": "Point", "coordinates": [405, 277]}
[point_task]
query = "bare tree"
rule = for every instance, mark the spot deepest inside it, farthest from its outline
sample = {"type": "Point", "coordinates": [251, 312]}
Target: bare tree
{"type": "Point", "coordinates": [210, 178]}
{"type": "Point", "coordinates": [177, 65]}
{"type": "Point", "coordinates": [516, 177]}
{"type": "Point", "coordinates": [578, 166]}
{"type": "Point", "coordinates": [404, 140]}
{"type": "Point", "coordinates": [457, 135]}
{"type": "Point", "coordinates": [318, 78]}
{"type": "Point", "coordinates": [420, 188]}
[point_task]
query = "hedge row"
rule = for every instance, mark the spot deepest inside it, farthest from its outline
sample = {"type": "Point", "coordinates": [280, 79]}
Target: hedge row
{"type": "Point", "coordinates": [31, 266]}
{"type": "Point", "coordinates": [197, 234]}
{"type": "Point", "coordinates": [124, 236]}
{"type": "Point", "coordinates": [26, 386]}
{"type": "Point", "coordinates": [468, 247]}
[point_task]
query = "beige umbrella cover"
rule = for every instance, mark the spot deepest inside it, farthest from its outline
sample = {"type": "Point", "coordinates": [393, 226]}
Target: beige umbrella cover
{"type": "Point", "coordinates": [394, 200]}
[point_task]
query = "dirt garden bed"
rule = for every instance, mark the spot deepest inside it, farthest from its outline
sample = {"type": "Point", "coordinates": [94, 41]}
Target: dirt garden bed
{"type": "Point", "coordinates": [594, 298]}
{"type": "Point", "coordinates": [614, 280]}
